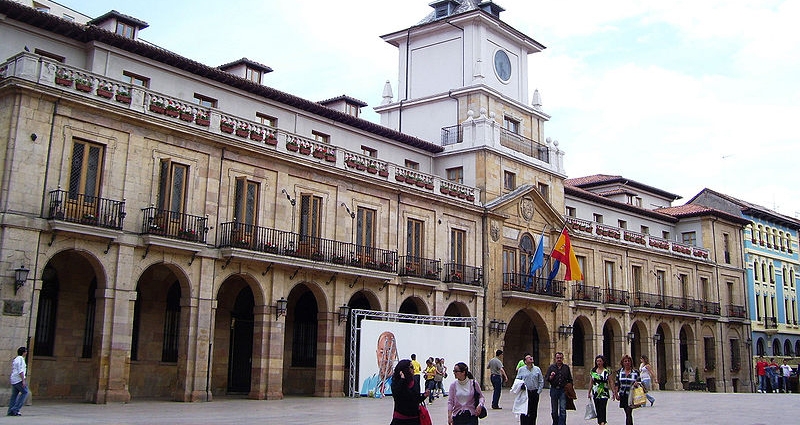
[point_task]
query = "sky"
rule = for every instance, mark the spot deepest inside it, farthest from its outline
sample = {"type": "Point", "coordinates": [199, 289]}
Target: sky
{"type": "Point", "coordinates": [679, 95]}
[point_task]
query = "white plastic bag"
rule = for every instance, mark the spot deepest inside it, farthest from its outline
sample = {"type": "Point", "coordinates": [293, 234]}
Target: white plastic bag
{"type": "Point", "coordinates": [590, 412]}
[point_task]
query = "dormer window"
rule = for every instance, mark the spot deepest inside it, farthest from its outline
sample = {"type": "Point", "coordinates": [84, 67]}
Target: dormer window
{"type": "Point", "coordinates": [443, 8]}
{"type": "Point", "coordinates": [254, 75]}
{"type": "Point", "coordinates": [124, 30]}
{"type": "Point", "coordinates": [121, 25]}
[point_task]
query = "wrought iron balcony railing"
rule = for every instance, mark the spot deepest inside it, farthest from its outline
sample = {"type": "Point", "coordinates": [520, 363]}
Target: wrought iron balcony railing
{"type": "Point", "coordinates": [524, 145]}
{"type": "Point", "coordinates": [452, 135]}
{"type": "Point", "coordinates": [581, 292]}
{"type": "Point", "coordinates": [771, 323]}
{"type": "Point", "coordinates": [413, 266]}
{"type": "Point", "coordinates": [708, 307]}
{"type": "Point", "coordinates": [616, 296]}
{"type": "Point", "coordinates": [463, 274]}
{"type": "Point", "coordinates": [290, 244]}
{"type": "Point", "coordinates": [95, 211]}
{"type": "Point", "coordinates": [737, 311]}
{"type": "Point", "coordinates": [665, 302]}
{"type": "Point", "coordinates": [518, 282]}
{"type": "Point", "coordinates": [174, 225]}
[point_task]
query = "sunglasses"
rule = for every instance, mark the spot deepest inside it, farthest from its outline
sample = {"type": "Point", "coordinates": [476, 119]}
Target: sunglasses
{"type": "Point", "coordinates": [457, 371]}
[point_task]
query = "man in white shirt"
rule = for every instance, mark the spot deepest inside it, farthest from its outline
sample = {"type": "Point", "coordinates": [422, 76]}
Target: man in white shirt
{"type": "Point", "coordinates": [531, 376]}
{"type": "Point", "coordinates": [19, 389]}
{"type": "Point", "coordinates": [786, 372]}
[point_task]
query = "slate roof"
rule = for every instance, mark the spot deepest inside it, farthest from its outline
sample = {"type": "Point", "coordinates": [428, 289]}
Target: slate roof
{"type": "Point", "coordinates": [694, 210]}
{"type": "Point", "coordinates": [248, 62]}
{"type": "Point", "coordinates": [751, 209]}
{"type": "Point", "coordinates": [595, 180]}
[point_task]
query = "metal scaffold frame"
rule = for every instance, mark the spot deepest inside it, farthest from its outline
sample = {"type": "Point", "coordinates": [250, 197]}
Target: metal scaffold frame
{"type": "Point", "coordinates": [357, 315]}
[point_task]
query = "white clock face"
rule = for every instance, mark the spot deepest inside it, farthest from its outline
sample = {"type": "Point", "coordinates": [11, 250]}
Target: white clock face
{"type": "Point", "coordinates": [502, 65]}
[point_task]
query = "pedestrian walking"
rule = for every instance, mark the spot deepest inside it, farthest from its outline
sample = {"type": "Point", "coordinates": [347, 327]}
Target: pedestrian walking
{"type": "Point", "coordinates": [601, 388]}
{"type": "Point", "coordinates": [627, 379]}
{"type": "Point", "coordinates": [532, 385]}
{"type": "Point", "coordinates": [558, 375]}
{"type": "Point", "coordinates": [465, 402]}
{"type": "Point", "coordinates": [406, 395]}
{"type": "Point", "coordinates": [648, 377]}
{"type": "Point", "coordinates": [19, 388]}
{"type": "Point", "coordinates": [497, 376]}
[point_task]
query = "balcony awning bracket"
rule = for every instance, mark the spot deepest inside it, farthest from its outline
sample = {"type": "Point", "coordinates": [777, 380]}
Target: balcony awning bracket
{"type": "Point", "coordinates": [295, 273]}
{"type": "Point", "coordinates": [447, 297]}
{"type": "Point", "coordinates": [108, 247]}
{"type": "Point", "coordinates": [269, 267]}
{"type": "Point", "coordinates": [431, 292]}
{"type": "Point", "coordinates": [554, 307]}
{"type": "Point", "coordinates": [333, 277]}
{"type": "Point", "coordinates": [191, 260]}
{"type": "Point", "coordinates": [52, 238]}
{"type": "Point", "coordinates": [227, 262]}
{"type": "Point", "coordinates": [146, 251]}
{"type": "Point", "coordinates": [386, 282]}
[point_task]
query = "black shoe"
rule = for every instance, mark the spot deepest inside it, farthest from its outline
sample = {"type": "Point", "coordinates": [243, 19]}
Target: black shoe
{"type": "Point", "coordinates": [497, 408]}
{"type": "Point", "coordinates": [18, 414]}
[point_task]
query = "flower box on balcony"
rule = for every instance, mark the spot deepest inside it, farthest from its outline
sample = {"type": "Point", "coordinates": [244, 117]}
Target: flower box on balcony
{"type": "Point", "coordinates": [431, 275]}
{"type": "Point", "coordinates": [350, 163]}
{"type": "Point", "coordinates": [242, 132]}
{"type": "Point", "coordinates": [104, 92]}
{"type": "Point", "coordinates": [270, 248]}
{"type": "Point", "coordinates": [64, 81]}
{"type": "Point", "coordinates": [383, 173]}
{"type": "Point", "coordinates": [330, 157]}
{"type": "Point", "coordinates": [189, 235]}
{"type": "Point", "coordinates": [205, 122]}
{"type": "Point", "coordinates": [337, 259]}
{"type": "Point", "coordinates": [444, 190]}
{"type": "Point", "coordinates": [123, 98]}
{"type": "Point", "coordinates": [271, 140]}
{"type": "Point", "coordinates": [360, 166]}
{"type": "Point", "coordinates": [399, 177]}
{"type": "Point", "coordinates": [83, 86]}
{"type": "Point", "coordinates": [172, 111]}
{"type": "Point", "coordinates": [186, 116]}
{"type": "Point", "coordinates": [157, 108]}
{"type": "Point", "coordinates": [420, 183]}
{"type": "Point", "coordinates": [470, 198]}
{"type": "Point", "coordinates": [89, 219]}
{"type": "Point", "coordinates": [319, 153]}
{"type": "Point", "coordinates": [226, 127]}
{"type": "Point", "coordinates": [387, 267]}
{"type": "Point", "coordinates": [257, 136]}
{"type": "Point", "coordinates": [372, 169]}
{"type": "Point", "coordinates": [429, 186]}
{"type": "Point", "coordinates": [291, 145]}
{"type": "Point", "coordinates": [305, 150]}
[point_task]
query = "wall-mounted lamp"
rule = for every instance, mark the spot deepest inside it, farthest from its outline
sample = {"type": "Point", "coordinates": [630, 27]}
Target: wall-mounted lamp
{"type": "Point", "coordinates": [497, 326]}
{"type": "Point", "coordinates": [565, 331]}
{"type": "Point", "coordinates": [344, 313]}
{"type": "Point", "coordinates": [748, 342]}
{"type": "Point", "coordinates": [631, 337]}
{"type": "Point", "coordinates": [280, 307]}
{"type": "Point", "coordinates": [351, 213]}
{"type": "Point", "coordinates": [20, 276]}
{"type": "Point", "coordinates": [288, 197]}
{"type": "Point", "coordinates": [656, 338]}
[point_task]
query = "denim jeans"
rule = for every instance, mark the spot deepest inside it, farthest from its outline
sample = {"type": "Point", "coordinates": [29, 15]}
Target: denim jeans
{"type": "Point", "coordinates": [497, 383]}
{"type": "Point", "coordinates": [19, 393]}
{"type": "Point", "coordinates": [762, 383]}
{"type": "Point", "coordinates": [558, 406]}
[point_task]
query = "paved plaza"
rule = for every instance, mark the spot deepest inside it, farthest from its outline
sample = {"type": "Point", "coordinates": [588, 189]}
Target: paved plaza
{"type": "Point", "coordinates": [671, 408]}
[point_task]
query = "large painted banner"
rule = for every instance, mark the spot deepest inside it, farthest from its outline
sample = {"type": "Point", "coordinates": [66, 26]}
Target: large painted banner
{"type": "Point", "coordinates": [384, 343]}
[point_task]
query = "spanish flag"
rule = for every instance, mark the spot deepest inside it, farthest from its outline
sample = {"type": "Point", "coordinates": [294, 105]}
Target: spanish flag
{"type": "Point", "coordinates": [563, 253]}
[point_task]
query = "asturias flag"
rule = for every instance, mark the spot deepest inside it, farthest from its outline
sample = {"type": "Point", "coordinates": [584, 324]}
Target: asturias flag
{"type": "Point", "coordinates": [563, 253]}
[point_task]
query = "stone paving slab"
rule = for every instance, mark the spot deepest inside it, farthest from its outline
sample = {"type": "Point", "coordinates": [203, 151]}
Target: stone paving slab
{"type": "Point", "coordinates": [671, 408]}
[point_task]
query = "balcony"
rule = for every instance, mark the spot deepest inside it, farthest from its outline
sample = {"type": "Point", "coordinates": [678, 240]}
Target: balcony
{"type": "Point", "coordinates": [524, 286]}
{"type": "Point", "coordinates": [581, 292]}
{"type": "Point", "coordinates": [524, 145]}
{"type": "Point", "coordinates": [640, 240]}
{"type": "Point", "coordinates": [461, 275]}
{"type": "Point", "coordinates": [291, 246]}
{"type": "Point", "coordinates": [616, 297]}
{"type": "Point", "coordinates": [771, 323]}
{"type": "Point", "coordinates": [174, 225]}
{"type": "Point", "coordinates": [708, 307]}
{"type": "Point", "coordinates": [452, 135]}
{"type": "Point", "coordinates": [737, 311]}
{"type": "Point", "coordinates": [81, 213]}
{"type": "Point", "coordinates": [678, 305]}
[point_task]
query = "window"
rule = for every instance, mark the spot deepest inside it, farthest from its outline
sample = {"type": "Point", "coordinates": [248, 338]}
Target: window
{"type": "Point", "coordinates": [351, 109]}
{"type": "Point", "coordinates": [622, 224]}
{"type": "Point", "coordinates": [304, 333]}
{"type": "Point", "coordinates": [509, 261]}
{"type": "Point", "coordinates": [726, 247]}
{"type": "Point", "coordinates": [253, 75]}
{"type": "Point", "coordinates": [458, 248]}
{"type": "Point", "coordinates": [68, 17]}
{"type": "Point", "coordinates": [736, 357]}
{"type": "Point", "coordinates": [267, 120]}
{"type": "Point", "coordinates": [683, 280]}
{"type": "Point", "coordinates": [637, 201]}
{"type": "Point", "coordinates": [645, 230]}
{"type": "Point", "coordinates": [88, 324]}
{"type": "Point", "coordinates": [710, 353]}
{"type": "Point", "coordinates": [771, 274]}
{"type": "Point", "coordinates": [310, 216]}
{"type": "Point", "coordinates": [544, 190]}
{"type": "Point", "coordinates": [705, 288]}
{"type": "Point", "coordinates": [511, 125]}
{"type": "Point", "coordinates": [125, 30]}
{"type": "Point", "coordinates": [412, 165]}
{"type": "Point", "coordinates": [581, 265]}
{"type": "Point", "coordinates": [365, 227]}
{"type": "Point", "coordinates": [665, 234]}
{"type": "Point", "coordinates": [636, 277]}
{"type": "Point", "coordinates": [598, 218]}
{"type": "Point", "coordinates": [370, 152]}
{"type": "Point", "coordinates": [525, 253]}
{"type": "Point", "coordinates": [173, 183]}
{"type": "Point", "coordinates": [455, 175]}
{"type": "Point", "coordinates": [46, 316]}
{"type": "Point", "coordinates": [629, 199]}
{"type": "Point", "coordinates": [53, 56]}
{"type": "Point", "coordinates": [85, 170]}
{"type": "Point", "coordinates": [40, 7]}
{"type": "Point", "coordinates": [205, 101]}
{"type": "Point", "coordinates": [661, 276]}
{"type": "Point", "coordinates": [609, 274]}
{"type": "Point", "coordinates": [321, 137]}
{"type": "Point", "coordinates": [136, 80]}
{"type": "Point", "coordinates": [245, 202]}
{"type": "Point", "coordinates": [172, 324]}
{"type": "Point", "coordinates": [570, 211]}
{"type": "Point", "coordinates": [689, 238]}
{"type": "Point", "coordinates": [509, 180]}
{"type": "Point", "coordinates": [415, 232]}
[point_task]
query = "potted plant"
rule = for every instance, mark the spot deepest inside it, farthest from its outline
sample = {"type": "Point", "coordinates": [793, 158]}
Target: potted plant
{"type": "Point", "coordinates": [63, 78]}
{"type": "Point", "coordinates": [292, 145]}
{"type": "Point", "coordinates": [470, 198]}
{"type": "Point", "coordinates": [455, 277]}
{"type": "Point", "coordinates": [83, 84]}
{"type": "Point", "coordinates": [256, 134]}
{"type": "Point", "coordinates": [158, 106]}
{"type": "Point", "coordinates": [202, 119]}
{"type": "Point", "coordinates": [385, 266]}
{"type": "Point", "coordinates": [269, 247]}
{"type": "Point", "coordinates": [330, 156]}
{"type": "Point", "coordinates": [429, 185]}
{"type": "Point", "coordinates": [186, 114]}
{"type": "Point", "coordinates": [89, 219]}
{"type": "Point", "coordinates": [242, 130]}
{"type": "Point", "coordinates": [271, 139]}
{"type": "Point", "coordinates": [319, 152]}
{"type": "Point", "coordinates": [188, 234]}
{"type": "Point", "coordinates": [304, 148]}
{"type": "Point", "coordinates": [372, 168]}
{"type": "Point", "coordinates": [360, 166]}
{"type": "Point", "coordinates": [226, 126]}
{"type": "Point", "coordinates": [399, 177]}
{"type": "Point", "coordinates": [104, 90]}
{"type": "Point", "coordinates": [383, 172]}
{"type": "Point", "coordinates": [123, 95]}
{"type": "Point", "coordinates": [172, 110]}
{"type": "Point", "coordinates": [337, 259]}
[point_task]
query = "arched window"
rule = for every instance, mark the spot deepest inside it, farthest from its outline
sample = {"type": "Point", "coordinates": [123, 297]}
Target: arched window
{"type": "Point", "coordinates": [578, 343]}
{"type": "Point", "coordinates": [760, 347]}
{"type": "Point", "coordinates": [787, 348]}
{"type": "Point", "coordinates": [755, 270]}
{"type": "Point", "coordinates": [46, 316]}
{"type": "Point", "coordinates": [304, 340]}
{"type": "Point", "coordinates": [526, 249]}
{"type": "Point", "coordinates": [776, 347]}
{"type": "Point", "coordinates": [771, 274]}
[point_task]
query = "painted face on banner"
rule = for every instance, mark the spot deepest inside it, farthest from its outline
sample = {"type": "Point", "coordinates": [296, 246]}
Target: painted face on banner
{"type": "Point", "coordinates": [386, 353]}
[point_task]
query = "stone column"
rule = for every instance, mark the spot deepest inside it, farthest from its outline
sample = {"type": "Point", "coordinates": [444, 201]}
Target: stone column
{"type": "Point", "coordinates": [276, 330]}
{"type": "Point", "coordinates": [260, 363]}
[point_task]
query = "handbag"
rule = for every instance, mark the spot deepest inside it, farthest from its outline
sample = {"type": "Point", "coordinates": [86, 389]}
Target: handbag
{"type": "Point", "coordinates": [476, 393]}
{"type": "Point", "coordinates": [637, 397]}
{"type": "Point", "coordinates": [424, 415]}
{"type": "Point", "coordinates": [590, 412]}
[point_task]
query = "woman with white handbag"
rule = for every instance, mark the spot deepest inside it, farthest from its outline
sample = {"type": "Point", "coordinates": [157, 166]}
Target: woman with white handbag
{"type": "Point", "coordinates": [601, 388]}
